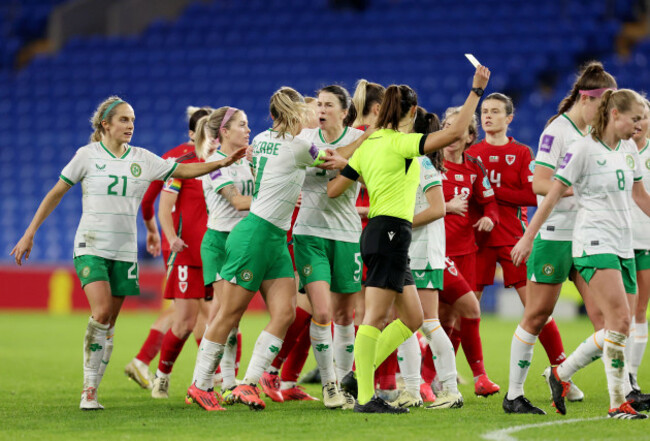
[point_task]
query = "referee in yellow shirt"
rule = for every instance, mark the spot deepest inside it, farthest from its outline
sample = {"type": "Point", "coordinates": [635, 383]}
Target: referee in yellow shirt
{"type": "Point", "coordinates": [385, 162]}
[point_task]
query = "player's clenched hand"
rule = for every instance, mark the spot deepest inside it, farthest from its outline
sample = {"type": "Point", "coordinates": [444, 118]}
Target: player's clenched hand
{"type": "Point", "coordinates": [153, 243]}
{"type": "Point", "coordinates": [481, 77]}
{"type": "Point", "coordinates": [457, 205]}
{"type": "Point", "coordinates": [177, 245]}
{"type": "Point", "coordinates": [521, 251]}
{"type": "Point", "coordinates": [23, 248]}
{"type": "Point", "coordinates": [333, 161]}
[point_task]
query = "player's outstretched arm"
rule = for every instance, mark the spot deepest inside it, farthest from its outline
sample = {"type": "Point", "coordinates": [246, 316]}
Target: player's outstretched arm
{"type": "Point", "coordinates": [49, 203]}
{"type": "Point", "coordinates": [196, 169]}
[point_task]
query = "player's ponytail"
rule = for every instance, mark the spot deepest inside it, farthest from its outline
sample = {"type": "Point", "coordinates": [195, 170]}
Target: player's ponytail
{"type": "Point", "coordinates": [591, 77]}
{"type": "Point", "coordinates": [426, 123]}
{"type": "Point", "coordinates": [398, 100]}
{"type": "Point", "coordinates": [288, 110]}
{"type": "Point", "coordinates": [621, 100]}
{"type": "Point", "coordinates": [365, 96]}
{"type": "Point", "coordinates": [200, 135]}
{"type": "Point", "coordinates": [104, 112]}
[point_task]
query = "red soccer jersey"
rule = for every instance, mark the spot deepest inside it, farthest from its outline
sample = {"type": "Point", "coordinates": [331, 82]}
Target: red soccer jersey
{"type": "Point", "coordinates": [468, 178]}
{"type": "Point", "coordinates": [190, 208]}
{"type": "Point", "coordinates": [510, 170]}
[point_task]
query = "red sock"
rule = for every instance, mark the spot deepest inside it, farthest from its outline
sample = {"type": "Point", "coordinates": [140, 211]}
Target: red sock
{"type": "Point", "coordinates": [171, 347]}
{"type": "Point", "coordinates": [296, 360]}
{"type": "Point", "coordinates": [238, 353]}
{"type": "Point", "coordinates": [293, 334]}
{"type": "Point", "coordinates": [385, 373]}
{"type": "Point", "coordinates": [356, 329]}
{"type": "Point", "coordinates": [428, 369]}
{"type": "Point", "coordinates": [150, 347]}
{"type": "Point", "coordinates": [471, 341]}
{"type": "Point", "coordinates": [198, 341]}
{"type": "Point", "coordinates": [454, 336]}
{"type": "Point", "coordinates": [552, 341]}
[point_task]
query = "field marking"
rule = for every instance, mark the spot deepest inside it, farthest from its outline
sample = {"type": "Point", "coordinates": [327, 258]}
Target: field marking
{"type": "Point", "coordinates": [504, 434]}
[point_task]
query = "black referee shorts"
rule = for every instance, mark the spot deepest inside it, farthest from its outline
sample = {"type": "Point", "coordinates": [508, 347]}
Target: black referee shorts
{"type": "Point", "coordinates": [385, 250]}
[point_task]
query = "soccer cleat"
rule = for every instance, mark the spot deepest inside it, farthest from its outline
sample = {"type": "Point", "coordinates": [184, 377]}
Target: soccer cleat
{"type": "Point", "coordinates": [297, 393]}
{"type": "Point", "coordinates": [350, 401]}
{"type": "Point", "coordinates": [574, 393]}
{"type": "Point", "coordinates": [407, 399]}
{"type": "Point", "coordinates": [638, 401]}
{"type": "Point", "coordinates": [484, 387]}
{"type": "Point", "coordinates": [249, 395]}
{"type": "Point", "coordinates": [204, 398]}
{"type": "Point", "coordinates": [271, 386]}
{"type": "Point", "coordinates": [160, 387]}
{"type": "Point", "coordinates": [521, 405]}
{"type": "Point", "coordinates": [634, 383]}
{"type": "Point", "coordinates": [89, 400]}
{"type": "Point", "coordinates": [626, 412]}
{"type": "Point", "coordinates": [427, 393]}
{"type": "Point", "coordinates": [311, 377]}
{"type": "Point", "coordinates": [349, 384]}
{"type": "Point", "coordinates": [139, 372]}
{"type": "Point", "coordinates": [227, 396]}
{"type": "Point", "coordinates": [447, 400]}
{"type": "Point", "coordinates": [559, 390]}
{"type": "Point", "coordinates": [332, 396]}
{"type": "Point", "coordinates": [377, 405]}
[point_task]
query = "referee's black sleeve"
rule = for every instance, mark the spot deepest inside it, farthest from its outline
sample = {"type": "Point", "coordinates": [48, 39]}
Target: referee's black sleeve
{"type": "Point", "coordinates": [422, 141]}
{"type": "Point", "coordinates": [350, 173]}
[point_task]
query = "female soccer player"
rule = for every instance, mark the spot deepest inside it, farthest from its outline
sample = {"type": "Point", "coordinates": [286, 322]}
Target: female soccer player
{"type": "Point", "coordinates": [385, 161]}
{"type": "Point", "coordinates": [466, 178]}
{"type": "Point", "coordinates": [326, 248]}
{"type": "Point", "coordinates": [115, 176]}
{"type": "Point", "coordinates": [605, 173]}
{"type": "Point", "coordinates": [256, 252]}
{"type": "Point", "coordinates": [228, 195]}
{"type": "Point", "coordinates": [194, 219]}
{"type": "Point", "coordinates": [550, 263]}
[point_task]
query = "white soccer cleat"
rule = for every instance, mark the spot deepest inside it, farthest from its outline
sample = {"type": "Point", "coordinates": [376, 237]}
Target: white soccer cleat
{"type": "Point", "coordinates": [333, 398]}
{"type": "Point", "coordinates": [89, 400]}
{"type": "Point", "coordinates": [407, 399]}
{"type": "Point", "coordinates": [574, 393]}
{"type": "Point", "coordinates": [160, 387]}
{"type": "Point", "coordinates": [349, 401]}
{"type": "Point", "coordinates": [139, 372]}
{"type": "Point", "coordinates": [447, 400]}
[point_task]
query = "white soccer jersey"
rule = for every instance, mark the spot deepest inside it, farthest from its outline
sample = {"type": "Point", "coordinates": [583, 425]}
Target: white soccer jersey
{"type": "Point", "coordinates": [222, 216]}
{"type": "Point", "coordinates": [279, 164]}
{"type": "Point", "coordinates": [320, 215]}
{"type": "Point", "coordinates": [553, 146]}
{"type": "Point", "coordinates": [112, 191]}
{"type": "Point", "coordinates": [427, 250]}
{"type": "Point", "coordinates": [602, 181]}
{"type": "Point", "coordinates": [640, 220]}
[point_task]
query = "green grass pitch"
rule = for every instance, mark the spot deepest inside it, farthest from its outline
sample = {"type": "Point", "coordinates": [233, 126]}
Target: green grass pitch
{"type": "Point", "coordinates": [41, 376]}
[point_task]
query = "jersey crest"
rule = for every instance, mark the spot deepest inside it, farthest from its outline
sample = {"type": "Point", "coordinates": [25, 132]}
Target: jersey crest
{"type": "Point", "coordinates": [510, 159]}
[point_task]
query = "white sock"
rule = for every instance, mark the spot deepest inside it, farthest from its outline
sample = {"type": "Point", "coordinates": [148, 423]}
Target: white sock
{"type": "Point", "coordinates": [589, 351]}
{"type": "Point", "coordinates": [614, 359]}
{"type": "Point", "coordinates": [284, 385]}
{"type": "Point", "coordinates": [638, 345]}
{"type": "Point", "coordinates": [161, 374]}
{"type": "Point", "coordinates": [321, 343]}
{"type": "Point", "coordinates": [266, 349]}
{"type": "Point", "coordinates": [209, 357]}
{"type": "Point", "coordinates": [106, 357]}
{"type": "Point", "coordinates": [343, 349]}
{"type": "Point", "coordinates": [521, 354]}
{"type": "Point", "coordinates": [228, 361]}
{"type": "Point", "coordinates": [198, 354]}
{"type": "Point", "coordinates": [409, 358]}
{"type": "Point", "coordinates": [444, 358]}
{"type": "Point", "coordinates": [628, 342]}
{"type": "Point", "coordinates": [94, 344]}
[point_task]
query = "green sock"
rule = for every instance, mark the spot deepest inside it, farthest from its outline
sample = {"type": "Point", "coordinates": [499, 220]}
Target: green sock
{"type": "Point", "coordinates": [365, 346]}
{"type": "Point", "coordinates": [392, 336]}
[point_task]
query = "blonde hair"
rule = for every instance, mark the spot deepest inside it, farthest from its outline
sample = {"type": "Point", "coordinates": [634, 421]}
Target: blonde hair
{"type": "Point", "coordinates": [111, 104]}
{"type": "Point", "coordinates": [365, 95]}
{"type": "Point", "coordinates": [211, 124]}
{"type": "Point", "coordinates": [473, 124]}
{"type": "Point", "coordinates": [621, 100]}
{"type": "Point", "coordinates": [288, 110]}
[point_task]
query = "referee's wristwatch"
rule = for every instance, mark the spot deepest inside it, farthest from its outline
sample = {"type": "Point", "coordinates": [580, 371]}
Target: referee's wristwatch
{"type": "Point", "coordinates": [478, 91]}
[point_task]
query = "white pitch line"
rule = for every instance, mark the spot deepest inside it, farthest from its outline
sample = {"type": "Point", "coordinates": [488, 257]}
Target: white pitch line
{"type": "Point", "coordinates": [504, 434]}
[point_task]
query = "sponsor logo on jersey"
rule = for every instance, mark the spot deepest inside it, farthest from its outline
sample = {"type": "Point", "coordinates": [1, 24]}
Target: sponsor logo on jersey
{"type": "Point", "coordinates": [630, 161]}
{"type": "Point", "coordinates": [215, 174]}
{"type": "Point", "coordinates": [391, 234]}
{"type": "Point", "coordinates": [85, 272]}
{"type": "Point", "coordinates": [472, 178]}
{"type": "Point", "coordinates": [494, 159]}
{"type": "Point", "coordinates": [100, 167]}
{"type": "Point", "coordinates": [307, 270]}
{"type": "Point", "coordinates": [601, 163]}
{"type": "Point", "coordinates": [426, 162]}
{"type": "Point", "coordinates": [510, 159]}
{"type": "Point", "coordinates": [566, 160]}
{"type": "Point", "coordinates": [136, 170]}
{"type": "Point", "coordinates": [419, 276]}
{"type": "Point", "coordinates": [444, 175]}
{"type": "Point", "coordinates": [182, 286]}
{"type": "Point", "coordinates": [546, 144]}
{"type": "Point", "coordinates": [459, 177]}
{"type": "Point", "coordinates": [548, 269]}
{"type": "Point", "coordinates": [246, 275]}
